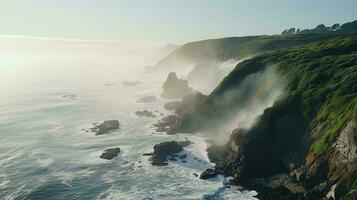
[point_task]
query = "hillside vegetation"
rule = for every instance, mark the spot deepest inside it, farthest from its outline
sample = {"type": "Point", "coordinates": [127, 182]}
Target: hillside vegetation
{"type": "Point", "coordinates": [310, 133]}
{"type": "Point", "coordinates": [237, 48]}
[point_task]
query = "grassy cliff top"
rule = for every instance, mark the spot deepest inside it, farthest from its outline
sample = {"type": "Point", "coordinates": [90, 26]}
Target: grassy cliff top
{"type": "Point", "coordinates": [321, 77]}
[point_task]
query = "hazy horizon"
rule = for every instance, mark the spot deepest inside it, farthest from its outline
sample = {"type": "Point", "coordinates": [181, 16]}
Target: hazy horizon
{"type": "Point", "coordinates": [175, 22]}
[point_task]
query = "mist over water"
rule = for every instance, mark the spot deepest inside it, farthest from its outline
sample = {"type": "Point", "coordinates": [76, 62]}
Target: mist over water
{"type": "Point", "coordinates": [52, 89]}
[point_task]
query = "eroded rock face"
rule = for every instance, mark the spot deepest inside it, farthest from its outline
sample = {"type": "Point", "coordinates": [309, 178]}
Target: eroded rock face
{"type": "Point", "coordinates": [343, 160]}
{"type": "Point", "coordinates": [171, 123]}
{"type": "Point", "coordinates": [346, 144]}
{"type": "Point", "coordinates": [110, 153]}
{"type": "Point", "coordinates": [163, 150]}
{"type": "Point", "coordinates": [175, 87]}
{"type": "Point", "coordinates": [130, 83]}
{"type": "Point", "coordinates": [105, 127]}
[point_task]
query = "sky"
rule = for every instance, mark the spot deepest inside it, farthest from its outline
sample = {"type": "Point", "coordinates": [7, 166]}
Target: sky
{"type": "Point", "coordinates": [168, 21]}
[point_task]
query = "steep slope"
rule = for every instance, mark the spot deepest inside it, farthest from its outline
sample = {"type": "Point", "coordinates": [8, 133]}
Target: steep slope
{"type": "Point", "coordinates": [310, 133]}
{"type": "Point", "coordinates": [223, 49]}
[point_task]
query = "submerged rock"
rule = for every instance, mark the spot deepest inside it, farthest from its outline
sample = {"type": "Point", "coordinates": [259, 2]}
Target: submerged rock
{"type": "Point", "coordinates": [105, 127]}
{"type": "Point", "coordinates": [110, 153]}
{"type": "Point", "coordinates": [145, 113]}
{"type": "Point", "coordinates": [70, 96]}
{"type": "Point", "coordinates": [181, 157]}
{"type": "Point", "coordinates": [130, 83]}
{"type": "Point", "coordinates": [175, 87]}
{"type": "Point", "coordinates": [163, 150]}
{"type": "Point", "coordinates": [208, 173]}
{"type": "Point", "coordinates": [146, 99]}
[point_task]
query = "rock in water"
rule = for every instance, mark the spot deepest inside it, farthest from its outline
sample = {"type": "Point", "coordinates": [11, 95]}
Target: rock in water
{"type": "Point", "coordinates": [145, 113]}
{"type": "Point", "coordinates": [209, 173]}
{"type": "Point", "coordinates": [110, 153]}
{"type": "Point", "coordinates": [163, 150]}
{"type": "Point", "coordinates": [105, 127]}
{"type": "Point", "coordinates": [175, 87]}
{"type": "Point", "coordinates": [146, 99]}
{"type": "Point", "coordinates": [130, 83]}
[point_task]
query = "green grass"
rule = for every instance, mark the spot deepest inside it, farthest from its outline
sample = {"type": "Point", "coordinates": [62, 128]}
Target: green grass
{"type": "Point", "coordinates": [238, 48]}
{"type": "Point", "coordinates": [322, 74]}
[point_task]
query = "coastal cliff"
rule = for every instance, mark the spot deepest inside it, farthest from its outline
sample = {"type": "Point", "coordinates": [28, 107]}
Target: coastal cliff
{"type": "Point", "coordinates": [304, 145]}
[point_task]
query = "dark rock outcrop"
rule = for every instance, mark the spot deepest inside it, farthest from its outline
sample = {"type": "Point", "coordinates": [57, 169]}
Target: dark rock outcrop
{"type": "Point", "coordinates": [163, 150]}
{"type": "Point", "coordinates": [208, 173]}
{"type": "Point", "coordinates": [170, 123]}
{"type": "Point", "coordinates": [175, 87]}
{"type": "Point", "coordinates": [105, 127]}
{"type": "Point", "coordinates": [165, 123]}
{"type": "Point", "coordinates": [110, 153]}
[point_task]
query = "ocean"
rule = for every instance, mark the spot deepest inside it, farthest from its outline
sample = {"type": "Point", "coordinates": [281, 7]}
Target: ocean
{"type": "Point", "coordinates": [51, 91]}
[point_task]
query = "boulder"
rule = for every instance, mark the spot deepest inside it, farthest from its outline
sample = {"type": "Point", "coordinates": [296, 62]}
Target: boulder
{"type": "Point", "coordinates": [208, 173]}
{"type": "Point", "coordinates": [175, 87]}
{"type": "Point", "coordinates": [110, 153]}
{"type": "Point", "coordinates": [163, 150]}
{"type": "Point", "coordinates": [105, 127]}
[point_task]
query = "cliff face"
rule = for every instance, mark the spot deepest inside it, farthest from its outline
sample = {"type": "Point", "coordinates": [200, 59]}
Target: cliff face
{"type": "Point", "coordinates": [309, 134]}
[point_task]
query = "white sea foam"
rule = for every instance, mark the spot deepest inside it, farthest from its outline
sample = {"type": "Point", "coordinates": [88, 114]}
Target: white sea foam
{"type": "Point", "coordinates": [43, 140]}
{"type": "Point", "coordinates": [45, 162]}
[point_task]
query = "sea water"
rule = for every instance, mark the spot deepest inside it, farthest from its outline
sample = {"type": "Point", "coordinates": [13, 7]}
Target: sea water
{"type": "Point", "coordinates": [46, 103]}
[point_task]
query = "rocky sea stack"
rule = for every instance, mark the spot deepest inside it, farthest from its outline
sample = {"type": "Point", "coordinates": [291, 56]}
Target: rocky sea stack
{"type": "Point", "coordinates": [175, 87]}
